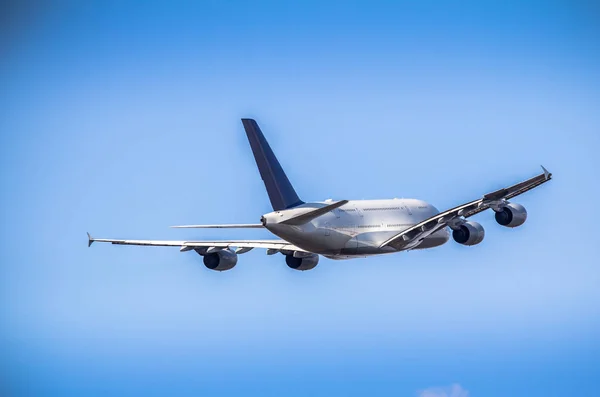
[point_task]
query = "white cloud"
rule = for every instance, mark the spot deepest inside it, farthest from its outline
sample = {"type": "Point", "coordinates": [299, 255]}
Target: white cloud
{"type": "Point", "coordinates": [455, 390]}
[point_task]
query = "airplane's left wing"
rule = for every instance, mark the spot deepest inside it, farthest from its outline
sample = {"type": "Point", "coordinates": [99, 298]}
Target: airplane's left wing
{"type": "Point", "coordinates": [241, 245]}
{"type": "Point", "coordinates": [414, 235]}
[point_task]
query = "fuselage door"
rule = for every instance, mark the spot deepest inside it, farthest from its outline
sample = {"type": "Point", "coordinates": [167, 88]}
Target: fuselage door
{"type": "Point", "coordinates": [359, 212]}
{"type": "Point", "coordinates": [352, 244]}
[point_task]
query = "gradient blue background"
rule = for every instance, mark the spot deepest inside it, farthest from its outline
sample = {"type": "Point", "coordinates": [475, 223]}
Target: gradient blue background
{"type": "Point", "coordinates": [123, 118]}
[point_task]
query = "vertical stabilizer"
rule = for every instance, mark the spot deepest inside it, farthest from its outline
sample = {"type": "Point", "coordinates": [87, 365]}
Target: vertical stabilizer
{"type": "Point", "coordinates": [280, 190]}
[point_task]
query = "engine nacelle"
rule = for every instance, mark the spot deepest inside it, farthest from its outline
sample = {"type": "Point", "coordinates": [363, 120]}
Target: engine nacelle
{"type": "Point", "coordinates": [220, 260]}
{"type": "Point", "coordinates": [469, 233]}
{"type": "Point", "coordinates": [302, 263]}
{"type": "Point", "coordinates": [511, 215]}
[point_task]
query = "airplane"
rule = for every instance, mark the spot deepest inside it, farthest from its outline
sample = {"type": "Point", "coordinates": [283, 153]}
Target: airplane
{"type": "Point", "coordinates": [345, 229]}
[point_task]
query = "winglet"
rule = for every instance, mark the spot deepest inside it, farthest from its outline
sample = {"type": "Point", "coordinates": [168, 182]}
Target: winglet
{"type": "Point", "coordinates": [90, 240]}
{"type": "Point", "coordinates": [547, 174]}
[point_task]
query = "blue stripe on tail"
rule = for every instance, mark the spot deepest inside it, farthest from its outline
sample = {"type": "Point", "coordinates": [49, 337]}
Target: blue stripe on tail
{"type": "Point", "coordinates": [280, 190]}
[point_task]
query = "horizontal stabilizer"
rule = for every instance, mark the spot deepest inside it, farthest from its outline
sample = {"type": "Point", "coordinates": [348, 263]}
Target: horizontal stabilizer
{"type": "Point", "coordinates": [233, 226]}
{"type": "Point", "coordinates": [309, 216]}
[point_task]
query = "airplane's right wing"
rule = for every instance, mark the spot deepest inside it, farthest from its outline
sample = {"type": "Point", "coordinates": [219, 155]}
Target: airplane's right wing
{"type": "Point", "coordinates": [414, 235]}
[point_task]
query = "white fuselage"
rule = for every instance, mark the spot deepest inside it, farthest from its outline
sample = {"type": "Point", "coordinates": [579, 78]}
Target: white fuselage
{"type": "Point", "coordinates": [357, 228]}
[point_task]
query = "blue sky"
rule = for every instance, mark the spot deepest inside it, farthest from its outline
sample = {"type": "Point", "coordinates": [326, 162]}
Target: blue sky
{"type": "Point", "coordinates": [122, 118]}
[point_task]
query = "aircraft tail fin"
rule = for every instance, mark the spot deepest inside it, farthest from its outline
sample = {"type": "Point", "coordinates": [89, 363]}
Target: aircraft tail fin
{"type": "Point", "coordinates": [280, 190]}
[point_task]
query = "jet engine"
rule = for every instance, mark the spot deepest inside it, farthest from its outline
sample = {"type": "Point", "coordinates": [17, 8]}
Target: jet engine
{"type": "Point", "coordinates": [469, 233]}
{"type": "Point", "coordinates": [220, 260]}
{"type": "Point", "coordinates": [511, 215]}
{"type": "Point", "coordinates": [302, 263]}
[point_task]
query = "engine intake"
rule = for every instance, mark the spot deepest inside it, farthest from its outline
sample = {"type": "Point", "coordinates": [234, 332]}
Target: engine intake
{"type": "Point", "coordinates": [302, 263]}
{"type": "Point", "coordinates": [469, 233]}
{"type": "Point", "coordinates": [511, 215]}
{"type": "Point", "coordinates": [220, 260]}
